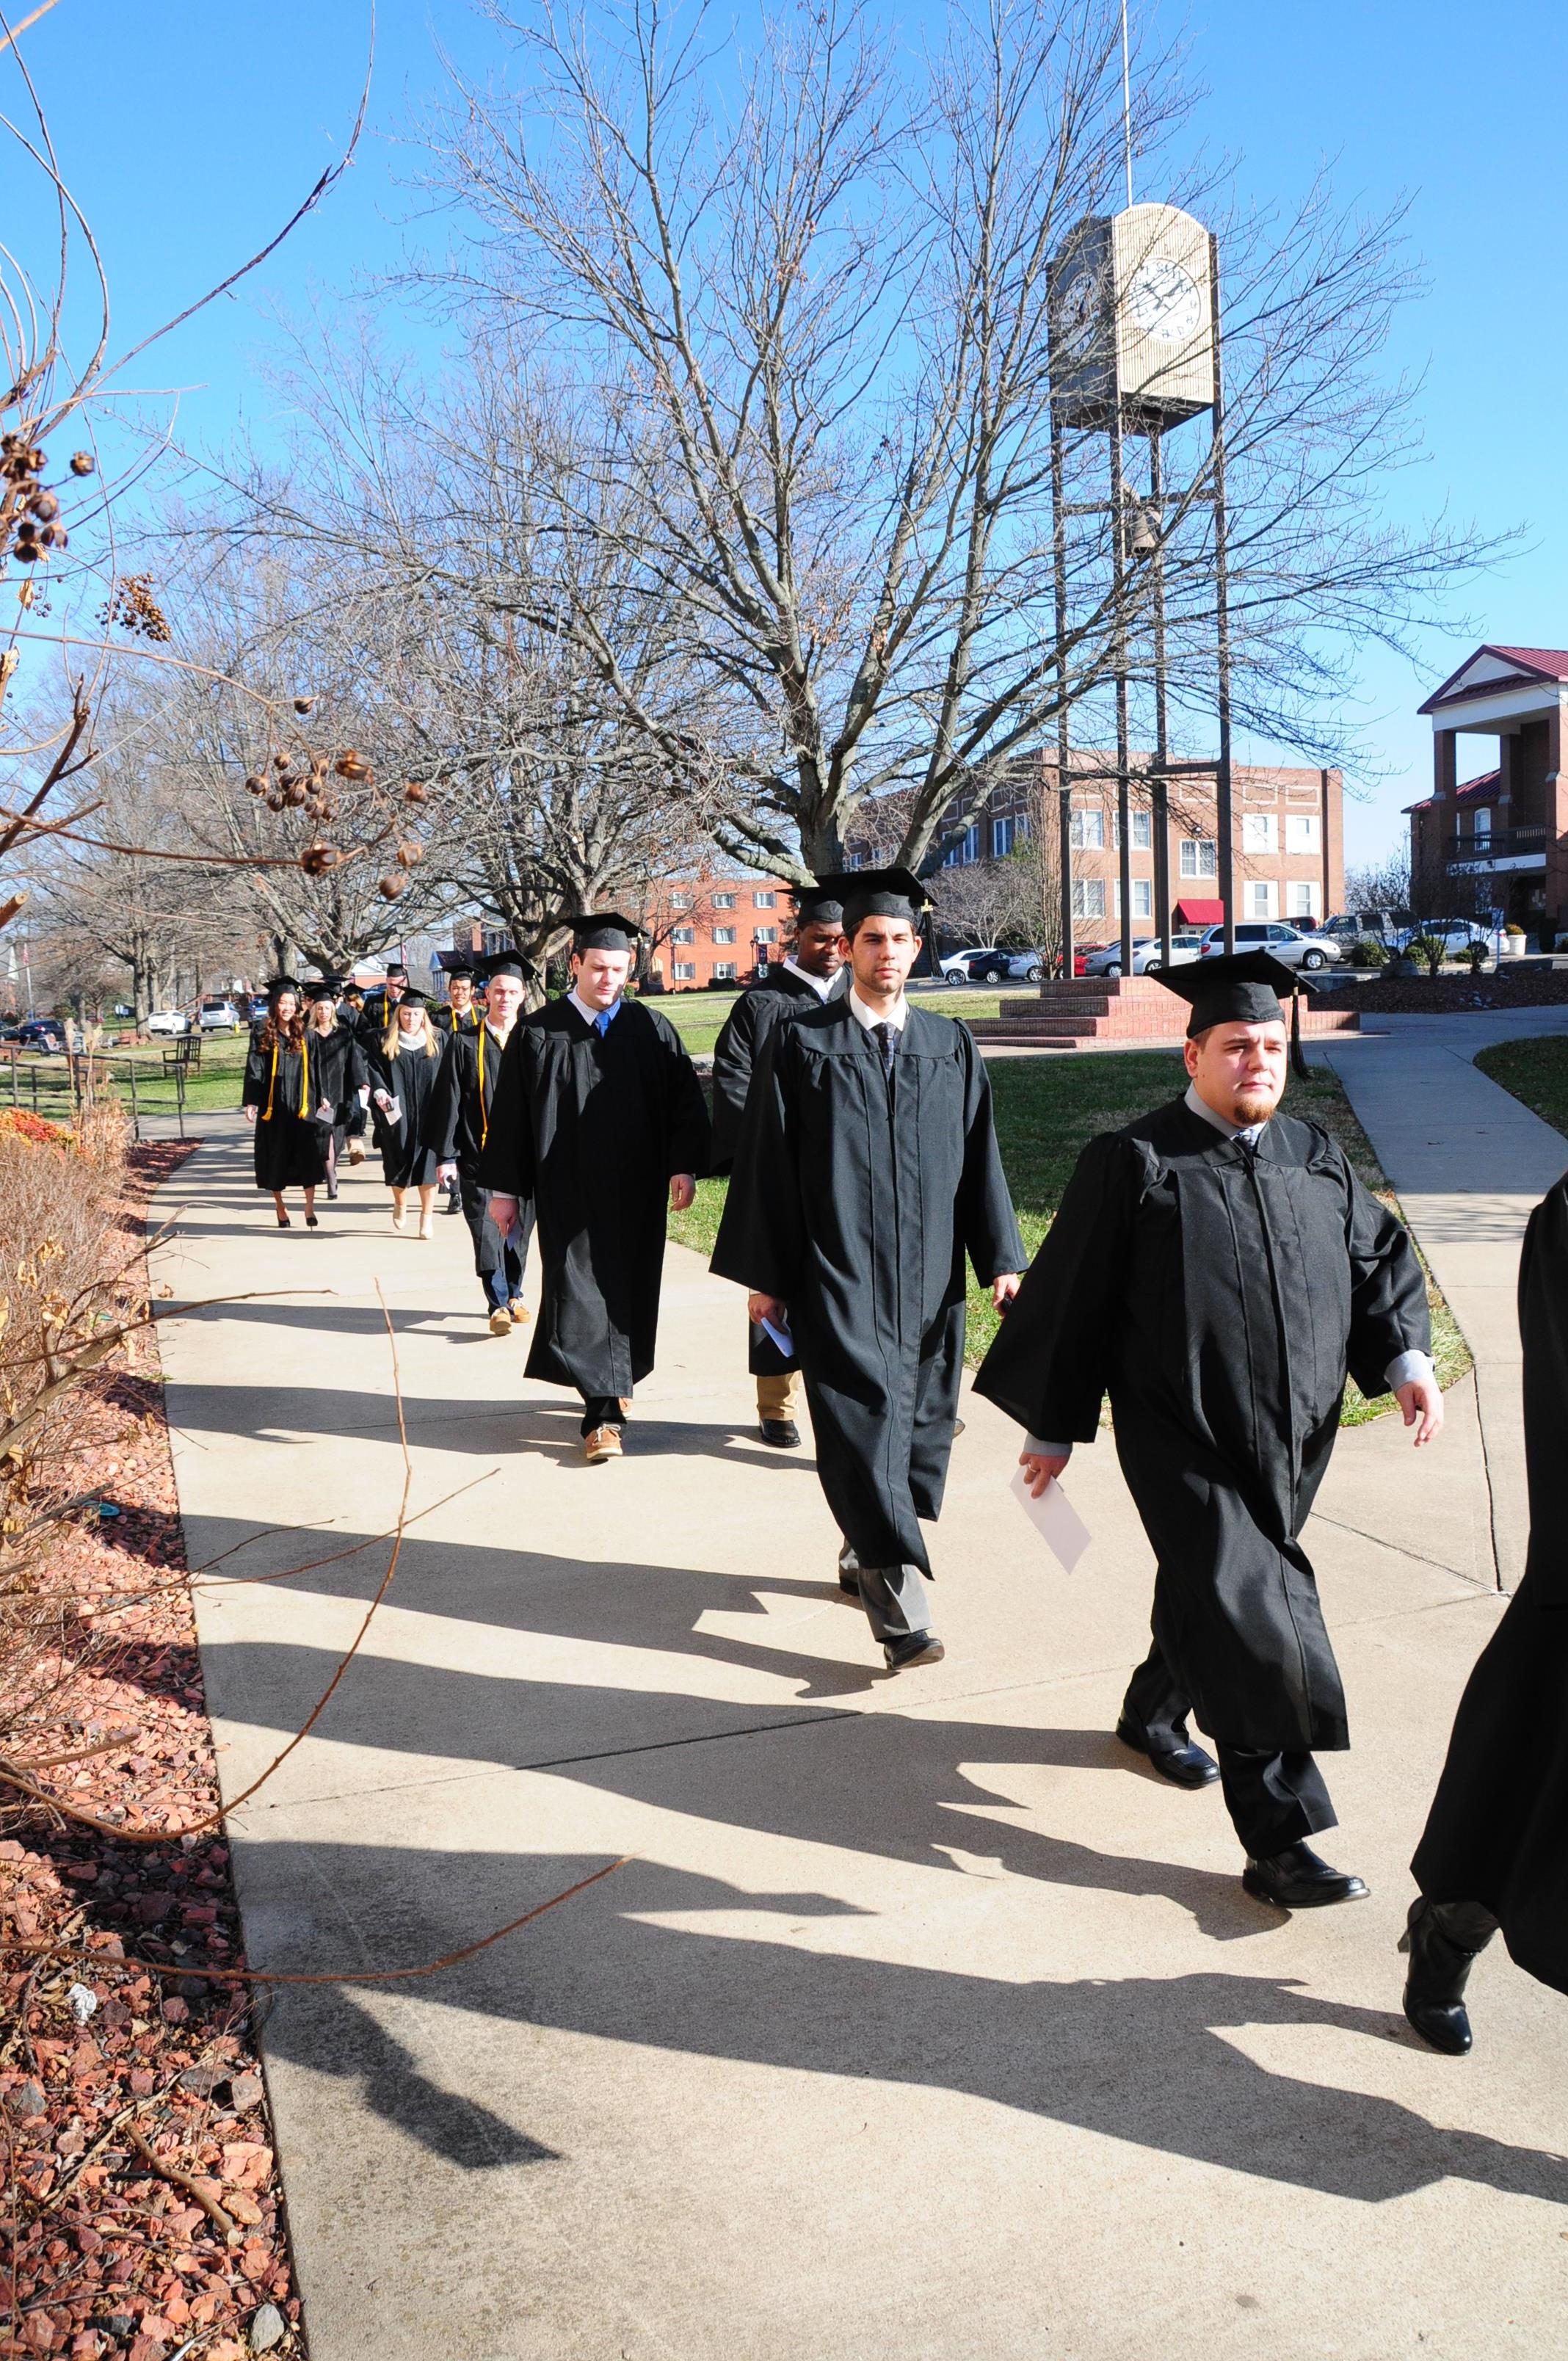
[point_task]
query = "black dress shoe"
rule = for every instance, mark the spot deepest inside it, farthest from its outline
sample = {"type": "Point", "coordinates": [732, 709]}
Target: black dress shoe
{"type": "Point", "coordinates": [1297, 1880]}
{"type": "Point", "coordinates": [1184, 1766]}
{"type": "Point", "coordinates": [914, 1647]}
{"type": "Point", "coordinates": [782, 1433]}
{"type": "Point", "coordinates": [1439, 1969]}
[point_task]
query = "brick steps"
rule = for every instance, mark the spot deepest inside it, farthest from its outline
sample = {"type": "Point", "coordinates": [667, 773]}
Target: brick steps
{"type": "Point", "coordinates": [1121, 1009]}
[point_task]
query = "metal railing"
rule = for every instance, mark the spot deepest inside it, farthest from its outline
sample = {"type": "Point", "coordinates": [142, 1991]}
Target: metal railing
{"type": "Point", "coordinates": [1503, 844]}
{"type": "Point", "coordinates": [54, 1086]}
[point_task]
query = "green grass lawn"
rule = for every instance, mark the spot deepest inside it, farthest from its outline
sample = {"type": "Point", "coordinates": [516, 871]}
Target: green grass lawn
{"type": "Point", "coordinates": [698, 1016]}
{"type": "Point", "coordinates": [43, 1084]}
{"type": "Point", "coordinates": [1047, 1108]}
{"type": "Point", "coordinates": [1534, 1070]}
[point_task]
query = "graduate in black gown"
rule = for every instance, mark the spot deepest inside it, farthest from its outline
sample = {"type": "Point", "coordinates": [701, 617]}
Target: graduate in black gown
{"type": "Point", "coordinates": [1494, 1849]}
{"type": "Point", "coordinates": [457, 1128]}
{"type": "Point", "coordinates": [867, 1168]}
{"type": "Point", "coordinates": [280, 1096]}
{"type": "Point", "coordinates": [339, 1074]}
{"type": "Point", "coordinates": [403, 1068]}
{"type": "Point", "coordinates": [812, 973]}
{"type": "Point", "coordinates": [599, 1119]}
{"type": "Point", "coordinates": [1217, 1268]}
{"type": "Point", "coordinates": [461, 1014]}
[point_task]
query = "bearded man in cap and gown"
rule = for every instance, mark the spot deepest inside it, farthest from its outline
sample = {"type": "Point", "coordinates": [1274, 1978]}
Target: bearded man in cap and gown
{"type": "Point", "coordinates": [867, 1168]}
{"type": "Point", "coordinates": [1218, 1270]}
{"type": "Point", "coordinates": [599, 1119]}
{"type": "Point", "coordinates": [1494, 1849]}
{"type": "Point", "coordinates": [811, 971]}
{"type": "Point", "coordinates": [457, 1128]}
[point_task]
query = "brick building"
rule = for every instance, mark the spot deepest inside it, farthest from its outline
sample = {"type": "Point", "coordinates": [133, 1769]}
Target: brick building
{"type": "Point", "coordinates": [717, 927]}
{"type": "Point", "coordinates": [1288, 851]}
{"type": "Point", "coordinates": [1497, 841]}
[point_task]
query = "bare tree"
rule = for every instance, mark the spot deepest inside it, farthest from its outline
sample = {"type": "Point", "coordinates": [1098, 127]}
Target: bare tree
{"type": "Point", "coordinates": [811, 285]}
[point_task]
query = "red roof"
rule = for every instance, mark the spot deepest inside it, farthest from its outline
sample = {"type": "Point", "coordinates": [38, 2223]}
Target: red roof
{"type": "Point", "coordinates": [1199, 914]}
{"type": "Point", "coordinates": [1478, 791]}
{"type": "Point", "coordinates": [1536, 664]}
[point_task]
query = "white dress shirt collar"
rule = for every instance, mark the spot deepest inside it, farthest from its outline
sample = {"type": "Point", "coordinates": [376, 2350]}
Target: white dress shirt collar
{"type": "Point", "coordinates": [591, 1015]}
{"type": "Point", "coordinates": [867, 1015]}
{"type": "Point", "coordinates": [821, 985]}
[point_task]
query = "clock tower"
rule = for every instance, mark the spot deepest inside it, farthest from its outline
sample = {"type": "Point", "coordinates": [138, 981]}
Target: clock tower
{"type": "Point", "coordinates": [1132, 312]}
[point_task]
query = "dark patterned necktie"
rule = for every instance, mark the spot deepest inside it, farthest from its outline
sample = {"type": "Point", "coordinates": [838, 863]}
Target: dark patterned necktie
{"type": "Point", "coordinates": [887, 1042]}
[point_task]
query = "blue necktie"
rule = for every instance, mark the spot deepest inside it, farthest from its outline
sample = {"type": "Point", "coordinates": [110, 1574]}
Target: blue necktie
{"type": "Point", "coordinates": [602, 1021]}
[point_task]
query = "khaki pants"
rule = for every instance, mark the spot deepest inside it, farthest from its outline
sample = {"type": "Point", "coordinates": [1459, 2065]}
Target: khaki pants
{"type": "Point", "coordinates": [778, 1397]}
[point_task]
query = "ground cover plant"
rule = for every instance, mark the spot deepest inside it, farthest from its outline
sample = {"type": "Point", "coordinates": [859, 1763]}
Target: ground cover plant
{"type": "Point", "coordinates": [1535, 1072]}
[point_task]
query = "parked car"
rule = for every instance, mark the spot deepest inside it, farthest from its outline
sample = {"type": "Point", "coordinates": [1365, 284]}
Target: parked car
{"type": "Point", "coordinates": [220, 1016]}
{"type": "Point", "coordinates": [1148, 955]}
{"type": "Point", "coordinates": [1456, 935]}
{"type": "Point", "coordinates": [1289, 945]}
{"type": "Point", "coordinates": [40, 1033]}
{"type": "Point", "coordinates": [258, 1007]}
{"type": "Point", "coordinates": [1007, 967]}
{"type": "Point", "coordinates": [169, 1021]}
{"type": "Point", "coordinates": [954, 969]}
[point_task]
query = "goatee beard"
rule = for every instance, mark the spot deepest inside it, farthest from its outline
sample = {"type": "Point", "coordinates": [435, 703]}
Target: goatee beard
{"type": "Point", "coordinates": [1252, 1107]}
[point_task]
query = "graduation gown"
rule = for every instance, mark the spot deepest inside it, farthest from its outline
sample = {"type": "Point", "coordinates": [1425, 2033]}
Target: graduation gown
{"type": "Point", "coordinates": [411, 1078]}
{"type": "Point", "coordinates": [1219, 1297]}
{"type": "Point", "coordinates": [284, 1086]}
{"type": "Point", "coordinates": [591, 1127]}
{"type": "Point", "coordinates": [736, 1057]}
{"type": "Point", "coordinates": [855, 1201]}
{"type": "Point", "coordinates": [1498, 1831]}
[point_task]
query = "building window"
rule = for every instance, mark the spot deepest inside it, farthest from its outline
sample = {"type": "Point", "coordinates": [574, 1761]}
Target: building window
{"type": "Point", "coordinates": [1142, 897]}
{"type": "Point", "coordinates": [1200, 857]}
{"type": "Point", "coordinates": [1481, 823]}
{"type": "Point", "coordinates": [724, 971]}
{"type": "Point", "coordinates": [1089, 898]}
{"type": "Point", "coordinates": [1002, 838]}
{"type": "Point", "coordinates": [1301, 899]}
{"type": "Point", "coordinates": [724, 934]}
{"type": "Point", "coordinates": [680, 901]}
{"type": "Point", "coordinates": [1086, 831]}
{"type": "Point", "coordinates": [683, 934]}
{"type": "Point", "coordinates": [684, 972]}
{"type": "Point", "coordinates": [1262, 899]}
{"type": "Point", "coordinates": [1301, 832]}
{"type": "Point", "coordinates": [724, 901]}
{"type": "Point", "coordinates": [764, 901]}
{"type": "Point", "coordinates": [1259, 832]}
{"type": "Point", "coordinates": [1141, 831]}
{"type": "Point", "coordinates": [766, 935]}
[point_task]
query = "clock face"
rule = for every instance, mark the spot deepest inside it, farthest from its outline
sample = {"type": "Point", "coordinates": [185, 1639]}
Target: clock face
{"type": "Point", "coordinates": [1078, 313]}
{"type": "Point", "coordinates": [1164, 302]}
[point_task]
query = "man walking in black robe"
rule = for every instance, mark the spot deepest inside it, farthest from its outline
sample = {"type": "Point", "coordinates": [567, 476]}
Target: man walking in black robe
{"type": "Point", "coordinates": [599, 1118]}
{"type": "Point", "coordinates": [813, 973]}
{"type": "Point", "coordinates": [458, 1016]}
{"type": "Point", "coordinates": [1217, 1268]}
{"type": "Point", "coordinates": [456, 1128]}
{"type": "Point", "coordinates": [1494, 1849]}
{"type": "Point", "coordinates": [867, 1168]}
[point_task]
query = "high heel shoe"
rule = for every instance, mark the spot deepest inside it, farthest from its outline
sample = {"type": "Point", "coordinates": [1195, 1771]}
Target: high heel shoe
{"type": "Point", "coordinates": [284, 1222]}
{"type": "Point", "coordinates": [311, 1222]}
{"type": "Point", "coordinates": [426, 1225]}
{"type": "Point", "coordinates": [399, 1215]}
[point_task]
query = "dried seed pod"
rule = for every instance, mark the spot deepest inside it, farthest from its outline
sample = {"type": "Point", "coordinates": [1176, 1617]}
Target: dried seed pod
{"type": "Point", "coordinates": [410, 855]}
{"type": "Point", "coordinates": [82, 462]}
{"type": "Point", "coordinates": [414, 793]}
{"type": "Point", "coordinates": [303, 704]}
{"type": "Point", "coordinates": [36, 461]}
{"type": "Point", "coordinates": [279, 761]}
{"type": "Point", "coordinates": [351, 765]}
{"type": "Point", "coordinates": [316, 859]}
{"type": "Point", "coordinates": [27, 552]}
{"type": "Point", "coordinates": [255, 786]}
{"type": "Point", "coordinates": [54, 536]}
{"type": "Point", "coordinates": [45, 507]}
{"type": "Point", "coordinates": [294, 794]}
{"type": "Point", "coordinates": [389, 888]}
{"type": "Point", "coordinates": [274, 803]}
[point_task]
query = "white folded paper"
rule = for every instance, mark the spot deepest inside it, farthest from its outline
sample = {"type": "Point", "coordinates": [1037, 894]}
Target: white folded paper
{"type": "Point", "coordinates": [1055, 1518]}
{"type": "Point", "coordinates": [779, 1331]}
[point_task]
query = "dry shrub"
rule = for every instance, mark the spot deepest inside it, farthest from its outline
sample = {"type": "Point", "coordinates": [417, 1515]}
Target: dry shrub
{"type": "Point", "coordinates": [67, 1280]}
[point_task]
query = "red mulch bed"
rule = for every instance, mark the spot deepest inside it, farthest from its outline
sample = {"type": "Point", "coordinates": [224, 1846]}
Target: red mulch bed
{"type": "Point", "coordinates": [144, 2214]}
{"type": "Point", "coordinates": [1447, 995]}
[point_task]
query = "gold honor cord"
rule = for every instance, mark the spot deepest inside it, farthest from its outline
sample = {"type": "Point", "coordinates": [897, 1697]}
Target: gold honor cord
{"type": "Point", "coordinates": [304, 1080]}
{"type": "Point", "coordinates": [484, 1110]}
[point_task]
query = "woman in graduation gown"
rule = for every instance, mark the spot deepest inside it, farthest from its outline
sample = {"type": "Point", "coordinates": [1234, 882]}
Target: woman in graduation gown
{"type": "Point", "coordinates": [1495, 1852]}
{"type": "Point", "coordinates": [403, 1068]}
{"type": "Point", "coordinates": [338, 1072]}
{"type": "Point", "coordinates": [280, 1097]}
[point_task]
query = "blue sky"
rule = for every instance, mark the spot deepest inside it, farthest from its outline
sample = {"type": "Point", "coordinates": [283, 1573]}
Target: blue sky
{"type": "Point", "coordinates": [190, 128]}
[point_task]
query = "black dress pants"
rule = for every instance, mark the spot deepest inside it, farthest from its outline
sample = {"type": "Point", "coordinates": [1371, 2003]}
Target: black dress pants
{"type": "Point", "coordinates": [1274, 1799]}
{"type": "Point", "coordinates": [498, 1261]}
{"type": "Point", "coordinates": [602, 1410]}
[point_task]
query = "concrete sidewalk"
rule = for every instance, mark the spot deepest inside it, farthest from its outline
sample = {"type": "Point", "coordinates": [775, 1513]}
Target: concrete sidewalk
{"type": "Point", "coordinates": [922, 2022]}
{"type": "Point", "coordinates": [1470, 1164]}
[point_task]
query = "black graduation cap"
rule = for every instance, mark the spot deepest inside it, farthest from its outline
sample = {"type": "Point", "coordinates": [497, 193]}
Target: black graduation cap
{"type": "Point", "coordinates": [280, 983]}
{"type": "Point", "coordinates": [878, 894]}
{"type": "Point", "coordinates": [1244, 988]}
{"type": "Point", "coordinates": [461, 972]}
{"type": "Point", "coordinates": [395, 971]}
{"type": "Point", "coordinates": [604, 930]}
{"type": "Point", "coordinates": [324, 987]}
{"type": "Point", "coordinates": [504, 963]}
{"type": "Point", "coordinates": [415, 998]}
{"type": "Point", "coordinates": [819, 905]}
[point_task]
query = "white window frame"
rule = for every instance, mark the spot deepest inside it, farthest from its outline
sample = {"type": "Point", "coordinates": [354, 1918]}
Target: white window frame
{"type": "Point", "coordinates": [1086, 831]}
{"type": "Point", "coordinates": [766, 935]}
{"type": "Point", "coordinates": [1089, 898]}
{"type": "Point", "coordinates": [1199, 856]}
{"type": "Point", "coordinates": [1260, 901]}
{"type": "Point", "coordinates": [1260, 832]}
{"type": "Point", "coordinates": [724, 901]}
{"type": "Point", "coordinates": [1303, 832]}
{"type": "Point", "coordinates": [1304, 895]}
{"type": "Point", "coordinates": [723, 934]}
{"type": "Point", "coordinates": [723, 971]}
{"type": "Point", "coordinates": [764, 901]}
{"type": "Point", "coordinates": [683, 934]}
{"type": "Point", "coordinates": [1001, 837]}
{"type": "Point", "coordinates": [1142, 897]}
{"type": "Point", "coordinates": [684, 971]}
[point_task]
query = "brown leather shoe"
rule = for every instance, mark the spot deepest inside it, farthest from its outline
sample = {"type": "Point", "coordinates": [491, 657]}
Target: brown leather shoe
{"type": "Point", "coordinates": [519, 1310]}
{"type": "Point", "coordinates": [500, 1322]}
{"type": "Point", "coordinates": [603, 1443]}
